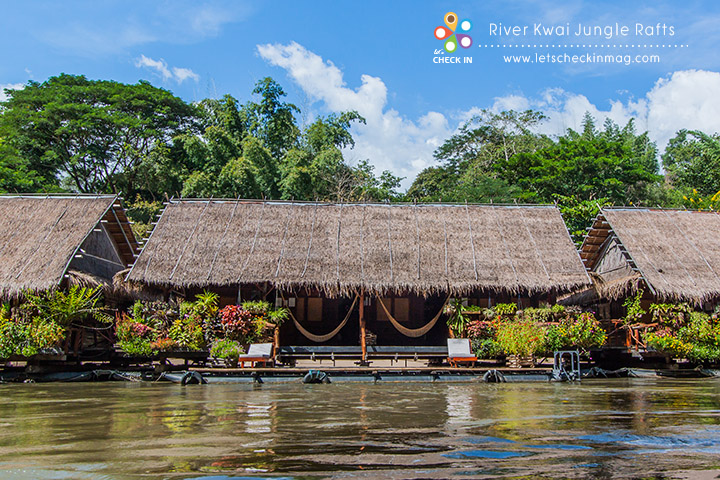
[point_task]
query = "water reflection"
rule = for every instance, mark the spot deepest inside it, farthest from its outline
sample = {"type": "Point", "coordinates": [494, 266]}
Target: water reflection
{"type": "Point", "coordinates": [459, 406]}
{"type": "Point", "coordinates": [639, 428]}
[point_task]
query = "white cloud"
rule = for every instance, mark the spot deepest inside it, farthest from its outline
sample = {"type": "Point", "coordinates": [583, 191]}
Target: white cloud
{"type": "Point", "coordinates": [182, 74]}
{"type": "Point", "coordinates": [9, 86]}
{"type": "Point", "coordinates": [110, 28]}
{"type": "Point", "coordinates": [686, 99]}
{"type": "Point", "coordinates": [389, 140]}
{"type": "Point", "coordinates": [167, 73]}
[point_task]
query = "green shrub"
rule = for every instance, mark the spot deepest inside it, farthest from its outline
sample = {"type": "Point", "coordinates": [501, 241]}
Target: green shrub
{"type": "Point", "coordinates": [486, 348]}
{"type": "Point", "coordinates": [685, 334]}
{"type": "Point", "coordinates": [582, 331]}
{"type": "Point", "coordinates": [457, 322]}
{"type": "Point", "coordinates": [634, 310]}
{"type": "Point", "coordinates": [27, 337]}
{"type": "Point", "coordinates": [522, 338]}
{"type": "Point", "coordinates": [667, 344]}
{"type": "Point", "coordinates": [141, 347]}
{"type": "Point", "coordinates": [505, 308]}
{"type": "Point", "coordinates": [256, 307]}
{"type": "Point", "coordinates": [226, 349]}
{"type": "Point", "coordinates": [187, 333]}
{"type": "Point", "coordinates": [66, 308]}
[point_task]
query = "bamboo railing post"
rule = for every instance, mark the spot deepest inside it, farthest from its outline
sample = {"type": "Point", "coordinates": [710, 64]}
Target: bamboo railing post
{"type": "Point", "coordinates": [276, 340]}
{"type": "Point", "coordinates": [363, 340]}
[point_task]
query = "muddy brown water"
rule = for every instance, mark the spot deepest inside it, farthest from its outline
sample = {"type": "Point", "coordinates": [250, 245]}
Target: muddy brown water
{"type": "Point", "coordinates": [620, 428]}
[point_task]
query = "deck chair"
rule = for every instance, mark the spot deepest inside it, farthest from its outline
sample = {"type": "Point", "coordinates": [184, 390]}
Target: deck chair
{"type": "Point", "coordinates": [257, 353]}
{"type": "Point", "coordinates": [459, 352]}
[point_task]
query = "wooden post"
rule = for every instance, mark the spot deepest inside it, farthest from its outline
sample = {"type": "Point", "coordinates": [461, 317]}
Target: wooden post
{"type": "Point", "coordinates": [363, 343]}
{"type": "Point", "coordinates": [276, 340]}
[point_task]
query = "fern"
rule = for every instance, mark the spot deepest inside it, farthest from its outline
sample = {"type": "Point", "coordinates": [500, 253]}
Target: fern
{"type": "Point", "coordinates": [67, 308]}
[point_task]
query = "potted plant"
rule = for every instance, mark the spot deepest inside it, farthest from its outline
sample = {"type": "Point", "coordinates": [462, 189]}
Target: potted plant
{"type": "Point", "coordinates": [227, 350]}
{"type": "Point", "coordinates": [521, 340]}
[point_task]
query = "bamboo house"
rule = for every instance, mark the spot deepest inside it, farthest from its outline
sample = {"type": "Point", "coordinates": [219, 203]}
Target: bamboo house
{"type": "Point", "coordinates": [671, 255]}
{"type": "Point", "coordinates": [50, 241]}
{"type": "Point", "coordinates": [357, 273]}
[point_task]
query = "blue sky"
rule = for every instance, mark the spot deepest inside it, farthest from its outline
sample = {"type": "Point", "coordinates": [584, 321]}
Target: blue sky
{"type": "Point", "coordinates": [377, 57]}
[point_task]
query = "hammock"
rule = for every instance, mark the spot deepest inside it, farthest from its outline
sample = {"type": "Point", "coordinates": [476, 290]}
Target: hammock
{"type": "Point", "coordinates": [327, 336]}
{"type": "Point", "coordinates": [413, 332]}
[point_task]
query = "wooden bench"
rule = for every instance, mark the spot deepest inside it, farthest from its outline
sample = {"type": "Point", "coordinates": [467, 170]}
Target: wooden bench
{"type": "Point", "coordinates": [290, 354]}
{"type": "Point", "coordinates": [430, 353]}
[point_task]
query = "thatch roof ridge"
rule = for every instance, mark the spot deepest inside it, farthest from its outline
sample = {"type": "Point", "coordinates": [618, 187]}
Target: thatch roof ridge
{"type": "Point", "coordinates": [342, 247]}
{"type": "Point", "coordinates": [675, 251]}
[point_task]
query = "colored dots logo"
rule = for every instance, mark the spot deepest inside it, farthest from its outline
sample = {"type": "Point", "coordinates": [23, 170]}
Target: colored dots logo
{"type": "Point", "coordinates": [454, 33]}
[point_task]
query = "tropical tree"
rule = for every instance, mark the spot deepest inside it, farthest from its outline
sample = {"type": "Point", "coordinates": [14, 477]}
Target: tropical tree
{"type": "Point", "coordinates": [91, 133]}
{"type": "Point", "coordinates": [692, 160]}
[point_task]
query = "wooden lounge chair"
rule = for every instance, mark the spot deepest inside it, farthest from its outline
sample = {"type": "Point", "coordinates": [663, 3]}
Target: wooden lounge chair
{"type": "Point", "coordinates": [257, 353]}
{"type": "Point", "coordinates": [459, 352]}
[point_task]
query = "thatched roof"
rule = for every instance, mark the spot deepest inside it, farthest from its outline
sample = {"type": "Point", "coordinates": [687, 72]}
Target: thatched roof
{"type": "Point", "coordinates": [340, 248]}
{"type": "Point", "coordinates": [675, 252]}
{"type": "Point", "coordinates": [41, 235]}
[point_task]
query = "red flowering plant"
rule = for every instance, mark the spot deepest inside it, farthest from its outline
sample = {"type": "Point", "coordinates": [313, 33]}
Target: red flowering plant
{"type": "Point", "coordinates": [135, 335]}
{"type": "Point", "coordinates": [237, 323]}
{"type": "Point", "coordinates": [482, 328]}
{"type": "Point", "coordinates": [253, 321]}
{"type": "Point", "coordinates": [164, 344]}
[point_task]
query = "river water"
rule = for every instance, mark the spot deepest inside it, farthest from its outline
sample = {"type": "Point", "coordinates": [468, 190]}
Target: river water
{"type": "Point", "coordinates": [620, 428]}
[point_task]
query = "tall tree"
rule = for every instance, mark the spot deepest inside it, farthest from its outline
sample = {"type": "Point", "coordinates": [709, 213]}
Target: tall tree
{"type": "Point", "coordinates": [470, 159]}
{"type": "Point", "coordinates": [272, 120]}
{"type": "Point", "coordinates": [94, 133]}
{"type": "Point", "coordinates": [692, 160]}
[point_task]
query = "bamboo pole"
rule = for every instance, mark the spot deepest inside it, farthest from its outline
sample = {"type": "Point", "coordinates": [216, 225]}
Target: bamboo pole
{"type": "Point", "coordinates": [363, 342]}
{"type": "Point", "coordinates": [276, 340]}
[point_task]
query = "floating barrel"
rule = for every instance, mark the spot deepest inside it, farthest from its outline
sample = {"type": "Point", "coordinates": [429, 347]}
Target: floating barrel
{"type": "Point", "coordinates": [192, 378]}
{"type": "Point", "coordinates": [316, 376]}
{"type": "Point", "coordinates": [494, 376]}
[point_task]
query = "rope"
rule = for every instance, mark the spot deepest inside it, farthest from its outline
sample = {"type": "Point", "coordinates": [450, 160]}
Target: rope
{"type": "Point", "coordinates": [327, 336]}
{"type": "Point", "coordinates": [413, 332]}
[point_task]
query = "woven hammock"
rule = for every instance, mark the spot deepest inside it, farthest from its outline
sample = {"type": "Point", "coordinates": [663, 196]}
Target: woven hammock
{"type": "Point", "coordinates": [323, 338]}
{"type": "Point", "coordinates": [413, 332]}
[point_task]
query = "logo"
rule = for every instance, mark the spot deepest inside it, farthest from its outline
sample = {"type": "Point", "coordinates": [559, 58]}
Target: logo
{"type": "Point", "coordinates": [452, 39]}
